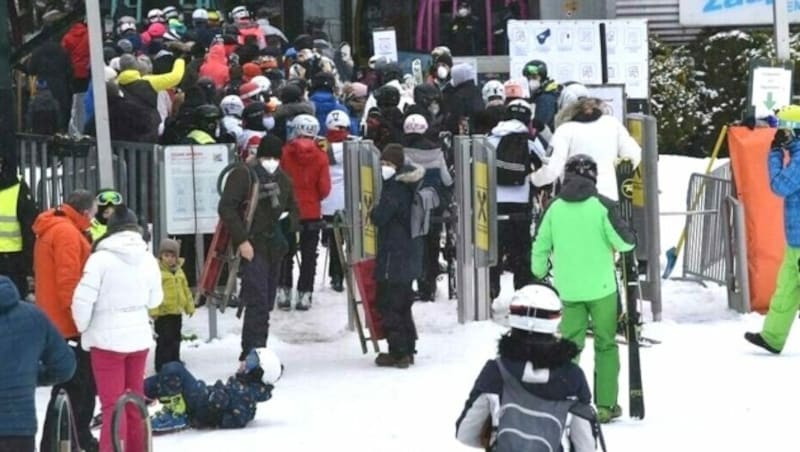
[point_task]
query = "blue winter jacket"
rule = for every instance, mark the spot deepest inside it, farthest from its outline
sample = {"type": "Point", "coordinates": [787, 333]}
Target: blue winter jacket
{"type": "Point", "coordinates": [32, 352]}
{"type": "Point", "coordinates": [785, 182]}
{"type": "Point", "coordinates": [324, 103]}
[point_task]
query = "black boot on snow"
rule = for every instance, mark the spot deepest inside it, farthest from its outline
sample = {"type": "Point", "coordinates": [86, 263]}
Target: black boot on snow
{"type": "Point", "coordinates": [337, 284]}
{"type": "Point", "coordinates": [756, 339]}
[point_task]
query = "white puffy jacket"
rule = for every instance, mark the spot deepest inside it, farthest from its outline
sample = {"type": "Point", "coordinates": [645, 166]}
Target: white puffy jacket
{"type": "Point", "coordinates": [121, 282]}
{"type": "Point", "coordinates": [604, 139]}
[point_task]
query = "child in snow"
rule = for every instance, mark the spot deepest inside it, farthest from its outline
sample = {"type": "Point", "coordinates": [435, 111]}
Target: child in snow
{"type": "Point", "coordinates": [533, 367]}
{"type": "Point", "coordinates": [581, 230]}
{"type": "Point", "coordinates": [177, 300]}
{"type": "Point", "coordinates": [188, 401]}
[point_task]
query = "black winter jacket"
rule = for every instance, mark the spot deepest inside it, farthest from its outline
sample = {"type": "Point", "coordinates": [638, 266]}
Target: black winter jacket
{"type": "Point", "coordinates": [399, 256]}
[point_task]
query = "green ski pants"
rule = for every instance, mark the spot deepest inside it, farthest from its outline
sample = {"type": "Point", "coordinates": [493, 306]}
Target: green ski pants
{"type": "Point", "coordinates": [603, 315]}
{"type": "Point", "coordinates": [785, 300]}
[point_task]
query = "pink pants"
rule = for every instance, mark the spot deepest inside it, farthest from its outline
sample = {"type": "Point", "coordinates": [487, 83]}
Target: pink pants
{"type": "Point", "coordinates": [114, 374]}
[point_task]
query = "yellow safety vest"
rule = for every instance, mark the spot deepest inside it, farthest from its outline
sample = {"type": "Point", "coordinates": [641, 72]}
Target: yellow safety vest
{"type": "Point", "coordinates": [201, 137]}
{"type": "Point", "coordinates": [97, 229]}
{"type": "Point", "coordinates": [10, 230]}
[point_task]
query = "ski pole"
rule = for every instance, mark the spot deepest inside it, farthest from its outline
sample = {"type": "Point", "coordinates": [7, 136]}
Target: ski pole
{"type": "Point", "coordinates": [674, 252]}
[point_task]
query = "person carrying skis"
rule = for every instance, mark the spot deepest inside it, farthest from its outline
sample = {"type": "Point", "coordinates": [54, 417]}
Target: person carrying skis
{"type": "Point", "coordinates": [187, 401]}
{"type": "Point", "coordinates": [581, 230]}
{"type": "Point", "coordinates": [533, 365]}
{"type": "Point", "coordinates": [784, 179]}
{"type": "Point", "coordinates": [263, 246]}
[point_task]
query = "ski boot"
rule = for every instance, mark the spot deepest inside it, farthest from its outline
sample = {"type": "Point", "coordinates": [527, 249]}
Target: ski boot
{"type": "Point", "coordinates": [606, 414]}
{"type": "Point", "coordinates": [303, 301]}
{"type": "Point", "coordinates": [172, 417]}
{"type": "Point", "coordinates": [283, 298]}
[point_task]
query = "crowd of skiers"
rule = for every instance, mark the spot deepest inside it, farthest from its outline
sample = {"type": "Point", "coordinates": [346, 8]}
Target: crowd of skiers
{"type": "Point", "coordinates": [288, 107]}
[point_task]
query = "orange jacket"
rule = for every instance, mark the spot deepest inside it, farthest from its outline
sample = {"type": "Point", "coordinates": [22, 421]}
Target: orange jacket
{"type": "Point", "coordinates": [60, 251]}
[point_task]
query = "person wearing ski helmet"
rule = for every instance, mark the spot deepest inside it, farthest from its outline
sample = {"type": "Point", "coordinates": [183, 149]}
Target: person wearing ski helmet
{"type": "Point", "coordinates": [421, 151]}
{"type": "Point", "coordinates": [206, 125]}
{"type": "Point", "coordinates": [253, 129]}
{"type": "Point", "coordinates": [231, 125]}
{"type": "Point", "coordinates": [107, 200]}
{"type": "Point", "coordinates": [308, 167]}
{"type": "Point", "coordinates": [579, 233]}
{"type": "Point", "coordinates": [390, 76]}
{"type": "Point", "coordinates": [187, 401]}
{"type": "Point", "coordinates": [543, 92]}
{"type": "Point", "coordinates": [338, 129]}
{"type": "Point", "coordinates": [155, 15]}
{"type": "Point", "coordinates": [321, 95]}
{"type": "Point", "coordinates": [494, 97]}
{"type": "Point", "coordinates": [247, 28]}
{"type": "Point", "coordinates": [126, 29]}
{"type": "Point", "coordinates": [264, 243]}
{"type": "Point", "coordinates": [518, 154]}
{"type": "Point", "coordinates": [201, 32]}
{"type": "Point", "coordinates": [384, 123]}
{"type": "Point", "coordinates": [440, 69]}
{"type": "Point", "coordinates": [533, 364]}
{"type": "Point", "coordinates": [293, 103]}
{"type": "Point", "coordinates": [513, 90]}
{"type": "Point", "coordinates": [427, 102]}
{"type": "Point", "coordinates": [588, 130]}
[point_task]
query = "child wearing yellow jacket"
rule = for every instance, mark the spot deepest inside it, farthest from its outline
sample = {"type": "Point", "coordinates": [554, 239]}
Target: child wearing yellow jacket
{"type": "Point", "coordinates": [178, 300]}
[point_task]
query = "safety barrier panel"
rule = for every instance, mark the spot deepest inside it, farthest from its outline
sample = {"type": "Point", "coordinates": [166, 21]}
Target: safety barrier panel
{"type": "Point", "coordinates": [706, 246]}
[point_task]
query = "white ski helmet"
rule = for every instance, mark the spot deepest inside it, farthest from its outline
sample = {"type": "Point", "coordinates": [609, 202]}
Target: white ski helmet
{"type": "Point", "coordinates": [270, 364]}
{"type": "Point", "coordinates": [415, 124]}
{"type": "Point", "coordinates": [232, 106]}
{"type": "Point", "coordinates": [240, 13]}
{"type": "Point", "coordinates": [305, 126]}
{"type": "Point", "coordinates": [155, 15]}
{"type": "Point", "coordinates": [572, 93]}
{"type": "Point", "coordinates": [170, 12]}
{"type": "Point", "coordinates": [535, 308]}
{"type": "Point", "coordinates": [200, 15]}
{"type": "Point", "coordinates": [262, 82]}
{"type": "Point", "coordinates": [337, 119]}
{"type": "Point", "coordinates": [493, 90]}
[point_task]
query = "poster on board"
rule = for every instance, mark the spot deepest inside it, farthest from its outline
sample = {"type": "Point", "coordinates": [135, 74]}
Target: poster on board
{"type": "Point", "coordinates": [572, 51]}
{"type": "Point", "coordinates": [190, 185]}
{"type": "Point", "coordinates": [613, 96]}
{"type": "Point", "coordinates": [384, 43]}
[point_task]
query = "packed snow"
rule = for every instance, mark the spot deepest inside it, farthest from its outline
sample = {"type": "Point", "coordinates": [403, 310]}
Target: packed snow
{"type": "Point", "coordinates": [705, 387]}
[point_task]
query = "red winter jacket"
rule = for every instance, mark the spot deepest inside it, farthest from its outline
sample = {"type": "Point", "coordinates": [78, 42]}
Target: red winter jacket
{"type": "Point", "coordinates": [307, 165]}
{"type": "Point", "coordinates": [216, 66]}
{"type": "Point", "coordinates": [76, 43]}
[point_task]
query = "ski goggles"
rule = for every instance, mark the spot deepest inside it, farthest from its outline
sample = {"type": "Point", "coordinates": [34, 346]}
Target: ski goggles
{"type": "Point", "coordinates": [109, 197]}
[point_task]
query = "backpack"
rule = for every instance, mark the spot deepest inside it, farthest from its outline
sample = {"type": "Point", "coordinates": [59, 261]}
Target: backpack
{"type": "Point", "coordinates": [528, 423]}
{"type": "Point", "coordinates": [425, 200]}
{"type": "Point", "coordinates": [513, 159]}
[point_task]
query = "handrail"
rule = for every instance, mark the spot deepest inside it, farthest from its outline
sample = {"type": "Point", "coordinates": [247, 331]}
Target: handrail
{"type": "Point", "coordinates": [62, 409]}
{"type": "Point", "coordinates": [119, 411]}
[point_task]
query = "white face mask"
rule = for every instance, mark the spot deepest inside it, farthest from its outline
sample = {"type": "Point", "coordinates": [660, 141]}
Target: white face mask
{"type": "Point", "coordinates": [442, 72]}
{"type": "Point", "coordinates": [434, 108]}
{"type": "Point", "coordinates": [269, 122]}
{"type": "Point", "coordinates": [534, 84]}
{"type": "Point", "coordinates": [387, 172]}
{"type": "Point", "coordinates": [463, 12]}
{"type": "Point", "coordinates": [270, 165]}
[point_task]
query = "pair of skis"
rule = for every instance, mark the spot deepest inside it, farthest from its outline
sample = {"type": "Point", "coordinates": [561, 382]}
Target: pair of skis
{"type": "Point", "coordinates": [632, 293]}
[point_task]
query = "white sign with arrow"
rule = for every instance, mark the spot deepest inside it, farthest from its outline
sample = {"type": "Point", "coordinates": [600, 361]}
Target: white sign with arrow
{"type": "Point", "coordinates": [772, 88]}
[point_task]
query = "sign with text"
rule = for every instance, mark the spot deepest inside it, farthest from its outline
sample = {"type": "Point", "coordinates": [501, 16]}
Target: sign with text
{"type": "Point", "coordinates": [771, 88]}
{"type": "Point", "coordinates": [384, 44]}
{"type": "Point", "coordinates": [733, 12]}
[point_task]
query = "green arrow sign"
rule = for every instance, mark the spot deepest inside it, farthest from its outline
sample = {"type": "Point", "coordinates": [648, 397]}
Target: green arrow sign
{"type": "Point", "coordinates": [770, 102]}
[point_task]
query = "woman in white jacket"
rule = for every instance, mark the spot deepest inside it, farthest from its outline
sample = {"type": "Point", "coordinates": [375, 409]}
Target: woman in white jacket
{"type": "Point", "coordinates": [588, 131]}
{"type": "Point", "coordinates": [121, 282]}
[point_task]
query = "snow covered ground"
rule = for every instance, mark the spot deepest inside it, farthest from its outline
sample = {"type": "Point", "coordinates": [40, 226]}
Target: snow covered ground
{"type": "Point", "coordinates": [705, 388]}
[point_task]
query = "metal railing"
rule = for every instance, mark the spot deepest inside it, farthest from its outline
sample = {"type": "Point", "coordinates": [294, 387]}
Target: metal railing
{"type": "Point", "coordinates": [130, 398]}
{"type": "Point", "coordinates": [706, 246]}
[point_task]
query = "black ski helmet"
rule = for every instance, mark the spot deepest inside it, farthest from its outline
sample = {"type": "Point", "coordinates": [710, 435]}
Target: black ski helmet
{"type": "Point", "coordinates": [387, 97]}
{"type": "Point", "coordinates": [206, 117]}
{"type": "Point", "coordinates": [253, 116]}
{"type": "Point", "coordinates": [323, 81]}
{"type": "Point", "coordinates": [425, 95]}
{"type": "Point", "coordinates": [582, 165]}
{"type": "Point", "coordinates": [535, 67]}
{"type": "Point", "coordinates": [520, 110]}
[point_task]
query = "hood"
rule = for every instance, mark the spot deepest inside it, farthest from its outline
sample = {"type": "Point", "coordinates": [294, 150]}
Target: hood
{"type": "Point", "coordinates": [128, 76]}
{"type": "Point", "coordinates": [63, 214]}
{"type": "Point", "coordinates": [305, 149]}
{"type": "Point", "coordinates": [128, 246]}
{"type": "Point", "coordinates": [543, 351]}
{"type": "Point", "coordinates": [295, 108]}
{"type": "Point", "coordinates": [504, 128]}
{"type": "Point", "coordinates": [9, 296]}
{"type": "Point", "coordinates": [577, 189]}
{"type": "Point", "coordinates": [410, 173]}
{"type": "Point", "coordinates": [585, 110]}
{"type": "Point", "coordinates": [461, 73]}
{"type": "Point", "coordinates": [216, 55]}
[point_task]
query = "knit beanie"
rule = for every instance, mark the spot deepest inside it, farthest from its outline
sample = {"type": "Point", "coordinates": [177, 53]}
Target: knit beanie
{"type": "Point", "coordinates": [393, 153]}
{"type": "Point", "coordinates": [123, 219]}
{"type": "Point", "coordinates": [169, 246]}
{"type": "Point", "coordinates": [270, 146]}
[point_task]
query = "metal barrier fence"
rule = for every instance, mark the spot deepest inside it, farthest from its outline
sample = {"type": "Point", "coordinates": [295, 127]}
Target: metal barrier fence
{"type": "Point", "coordinates": [706, 245]}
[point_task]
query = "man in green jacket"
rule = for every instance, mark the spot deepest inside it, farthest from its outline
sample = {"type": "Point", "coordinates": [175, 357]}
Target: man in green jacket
{"type": "Point", "coordinates": [581, 230]}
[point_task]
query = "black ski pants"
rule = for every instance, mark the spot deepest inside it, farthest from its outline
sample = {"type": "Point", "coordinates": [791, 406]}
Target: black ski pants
{"type": "Point", "coordinates": [12, 265]}
{"type": "Point", "coordinates": [513, 242]}
{"type": "Point", "coordinates": [430, 263]}
{"type": "Point", "coordinates": [168, 342]}
{"type": "Point", "coordinates": [82, 392]}
{"type": "Point", "coordinates": [17, 443]}
{"type": "Point", "coordinates": [309, 239]}
{"type": "Point", "coordinates": [259, 286]}
{"type": "Point", "coordinates": [394, 304]}
{"type": "Point", "coordinates": [335, 263]}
